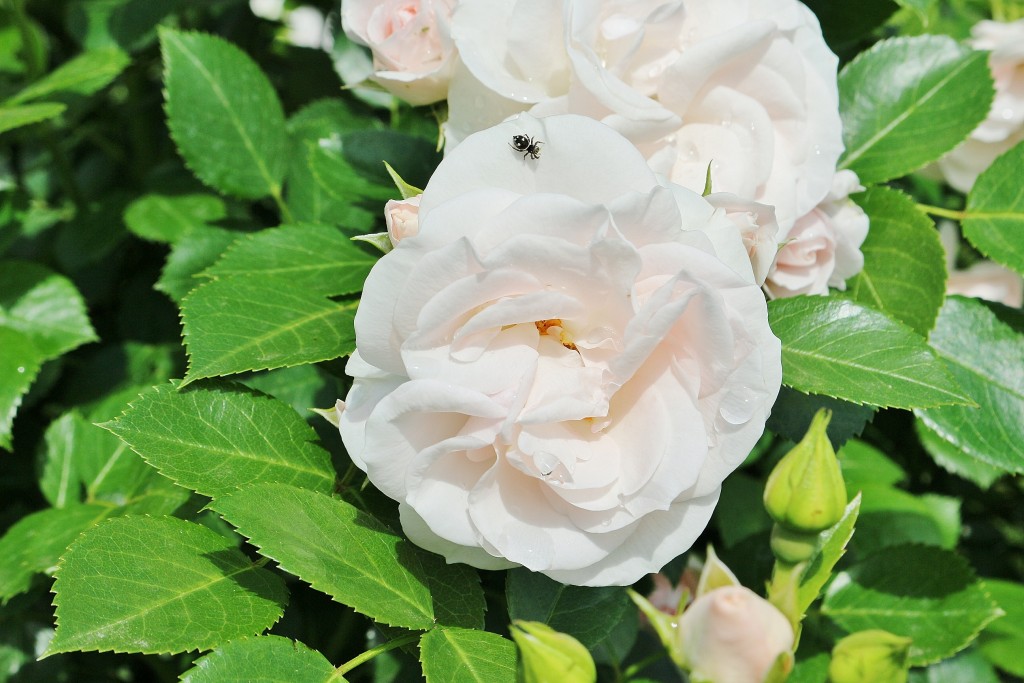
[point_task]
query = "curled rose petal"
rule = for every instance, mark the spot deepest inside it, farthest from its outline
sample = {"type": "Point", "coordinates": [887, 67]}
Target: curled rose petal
{"type": "Point", "coordinates": [563, 364]}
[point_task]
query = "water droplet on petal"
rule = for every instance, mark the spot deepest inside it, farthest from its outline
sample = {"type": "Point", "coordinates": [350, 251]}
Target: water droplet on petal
{"type": "Point", "coordinates": [738, 406]}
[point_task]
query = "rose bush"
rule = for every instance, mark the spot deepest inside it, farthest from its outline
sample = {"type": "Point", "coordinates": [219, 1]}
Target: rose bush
{"type": "Point", "coordinates": [413, 55]}
{"type": "Point", "coordinates": [1004, 126]}
{"type": "Point", "coordinates": [562, 365]}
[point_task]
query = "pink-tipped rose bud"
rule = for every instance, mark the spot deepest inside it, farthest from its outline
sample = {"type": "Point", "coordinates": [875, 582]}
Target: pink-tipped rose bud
{"type": "Point", "coordinates": [732, 634]}
{"type": "Point", "coordinates": [402, 217]}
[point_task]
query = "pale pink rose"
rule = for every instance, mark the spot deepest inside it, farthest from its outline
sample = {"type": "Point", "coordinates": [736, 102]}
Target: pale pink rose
{"type": "Point", "coordinates": [983, 280]}
{"type": "Point", "coordinates": [558, 370]}
{"type": "Point", "coordinates": [413, 54]}
{"type": "Point", "coordinates": [747, 88]}
{"type": "Point", "coordinates": [758, 228]}
{"type": "Point", "coordinates": [732, 635]}
{"type": "Point", "coordinates": [1004, 126]}
{"type": "Point", "coordinates": [402, 217]}
{"type": "Point", "coordinates": [823, 250]}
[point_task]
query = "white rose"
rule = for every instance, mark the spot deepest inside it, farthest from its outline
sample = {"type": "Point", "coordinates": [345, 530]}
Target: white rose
{"type": "Point", "coordinates": [747, 88]}
{"type": "Point", "coordinates": [1004, 126]}
{"type": "Point", "coordinates": [402, 218]}
{"type": "Point", "coordinates": [732, 635]}
{"type": "Point", "coordinates": [823, 249]}
{"type": "Point", "coordinates": [558, 370]}
{"type": "Point", "coordinates": [758, 228]}
{"type": "Point", "coordinates": [413, 53]}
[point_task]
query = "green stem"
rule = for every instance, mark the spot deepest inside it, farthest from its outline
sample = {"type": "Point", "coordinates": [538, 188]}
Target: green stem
{"type": "Point", "coordinates": [286, 213]}
{"type": "Point", "coordinates": [998, 10]}
{"type": "Point", "coordinates": [373, 652]}
{"type": "Point", "coordinates": [944, 213]}
{"type": "Point", "coordinates": [633, 669]}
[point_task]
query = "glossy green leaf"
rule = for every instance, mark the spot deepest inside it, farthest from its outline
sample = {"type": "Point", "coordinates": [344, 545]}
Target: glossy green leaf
{"type": "Point", "coordinates": [840, 348]}
{"type": "Point", "coordinates": [904, 271]}
{"type": "Point", "coordinates": [192, 254]}
{"type": "Point", "coordinates": [19, 364]}
{"type": "Point", "coordinates": [219, 437]}
{"type": "Point", "coordinates": [889, 517]}
{"type": "Point", "coordinates": [987, 359]}
{"type": "Point", "coordinates": [85, 463]}
{"type": "Point", "coordinates": [907, 101]}
{"type": "Point", "coordinates": [82, 75]}
{"type": "Point", "coordinates": [130, 24]}
{"type": "Point", "coordinates": [953, 459]}
{"type": "Point", "coordinates": [303, 387]}
{"type": "Point", "coordinates": [159, 584]}
{"type": "Point", "coordinates": [1003, 641]}
{"type": "Point", "coordinates": [455, 655]}
{"type": "Point", "coordinates": [922, 592]}
{"type": "Point", "coordinates": [355, 559]}
{"type": "Point", "coordinates": [340, 181]}
{"type": "Point", "coordinates": [242, 324]}
{"type": "Point", "coordinates": [262, 659]}
{"type": "Point", "coordinates": [829, 550]}
{"type": "Point", "coordinates": [317, 258]}
{"type": "Point", "coordinates": [863, 464]}
{"type": "Point", "coordinates": [813, 669]}
{"type": "Point", "coordinates": [587, 614]}
{"type": "Point", "coordinates": [167, 218]}
{"type": "Point", "coordinates": [994, 221]}
{"type": "Point", "coordinates": [16, 117]}
{"type": "Point", "coordinates": [44, 306]}
{"type": "Point", "coordinates": [224, 115]}
{"type": "Point", "coordinates": [968, 666]}
{"type": "Point", "coordinates": [35, 543]}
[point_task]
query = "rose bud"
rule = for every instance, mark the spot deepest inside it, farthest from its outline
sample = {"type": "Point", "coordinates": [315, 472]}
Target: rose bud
{"type": "Point", "coordinates": [805, 491]}
{"type": "Point", "coordinates": [402, 217]}
{"type": "Point", "coordinates": [870, 657]}
{"type": "Point", "coordinates": [548, 655]}
{"type": "Point", "coordinates": [732, 634]}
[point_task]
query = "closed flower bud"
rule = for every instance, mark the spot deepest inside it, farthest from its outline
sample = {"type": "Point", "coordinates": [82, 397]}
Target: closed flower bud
{"type": "Point", "coordinates": [805, 491]}
{"type": "Point", "coordinates": [870, 657]}
{"type": "Point", "coordinates": [733, 635]}
{"type": "Point", "coordinates": [548, 655]}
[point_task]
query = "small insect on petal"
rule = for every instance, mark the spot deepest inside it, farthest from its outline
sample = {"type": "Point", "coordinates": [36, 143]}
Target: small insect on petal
{"type": "Point", "coordinates": [527, 145]}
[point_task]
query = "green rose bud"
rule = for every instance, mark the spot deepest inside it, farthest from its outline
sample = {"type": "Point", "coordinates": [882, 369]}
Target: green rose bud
{"type": "Point", "coordinates": [548, 655]}
{"type": "Point", "coordinates": [791, 546]}
{"type": "Point", "coordinates": [870, 657]}
{"type": "Point", "coordinates": [805, 491]}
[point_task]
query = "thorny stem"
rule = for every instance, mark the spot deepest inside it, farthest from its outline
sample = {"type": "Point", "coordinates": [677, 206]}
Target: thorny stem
{"type": "Point", "coordinates": [374, 651]}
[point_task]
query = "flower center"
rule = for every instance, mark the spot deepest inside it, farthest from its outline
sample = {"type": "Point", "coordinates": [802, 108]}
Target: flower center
{"type": "Point", "coordinates": [553, 328]}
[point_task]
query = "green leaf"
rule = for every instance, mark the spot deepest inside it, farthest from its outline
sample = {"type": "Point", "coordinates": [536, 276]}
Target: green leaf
{"type": "Point", "coordinates": [863, 464]}
{"type": "Point", "coordinates": [922, 592]}
{"type": "Point", "coordinates": [891, 517]}
{"type": "Point", "coordinates": [954, 460]}
{"type": "Point", "coordinates": [317, 258]}
{"type": "Point", "coordinates": [301, 387]}
{"type": "Point", "coordinates": [167, 218]}
{"type": "Point", "coordinates": [262, 659]}
{"type": "Point", "coordinates": [159, 584]}
{"type": "Point", "coordinates": [43, 306]}
{"type": "Point", "coordinates": [19, 364]}
{"type": "Point", "coordinates": [907, 101]}
{"type": "Point", "coordinates": [454, 655]}
{"type": "Point", "coordinates": [793, 411]}
{"type": "Point", "coordinates": [35, 543]}
{"type": "Point", "coordinates": [192, 254]}
{"type": "Point", "coordinates": [587, 614]}
{"type": "Point", "coordinates": [82, 458]}
{"type": "Point", "coordinates": [224, 115]}
{"type": "Point", "coordinates": [340, 181]}
{"type": "Point", "coordinates": [994, 221]}
{"type": "Point", "coordinates": [904, 273]}
{"type": "Point", "coordinates": [242, 324]}
{"type": "Point", "coordinates": [129, 24]}
{"type": "Point", "coordinates": [16, 117]}
{"type": "Point", "coordinates": [967, 666]}
{"type": "Point", "coordinates": [352, 557]}
{"type": "Point", "coordinates": [987, 359]}
{"type": "Point", "coordinates": [85, 74]}
{"type": "Point", "coordinates": [829, 550]}
{"type": "Point", "coordinates": [840, 348]}
{"type": "Point", "coordinates": [921, 7]}
{"type": "Point", "coordinates": [1003, 641]}
{"type": "Point", "coordinates": [219, 437]}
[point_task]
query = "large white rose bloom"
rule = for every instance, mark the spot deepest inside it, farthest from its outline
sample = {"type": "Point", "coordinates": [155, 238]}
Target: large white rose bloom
{"type": "Point", "coordinates": [746, 87]}
{"type": "Point", "coordinates": [1004, 126]}
{"type": "Point", "coordinates": [562, 365]}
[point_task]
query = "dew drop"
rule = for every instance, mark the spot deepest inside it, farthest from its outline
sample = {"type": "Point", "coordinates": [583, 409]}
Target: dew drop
{"type": "Point", "coordinates": [738, 406]}
{"type": "Point", "coordinates": [545, 462]}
